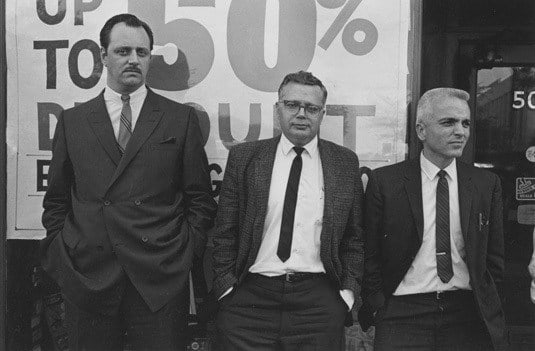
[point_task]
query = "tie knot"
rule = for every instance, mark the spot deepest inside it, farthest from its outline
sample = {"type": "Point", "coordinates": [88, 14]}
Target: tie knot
{"type": "Point", "coordinates": [442, 173]}
{"type": "Point", "coordinates": [125, 97]}
{"type": "Point", "coordinates": [298, 150]}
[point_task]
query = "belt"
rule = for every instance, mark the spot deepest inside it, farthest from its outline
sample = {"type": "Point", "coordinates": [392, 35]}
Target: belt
{"type": "Point", "coordinates": [443, 295]}
{"type": "Point", "coordinates": [292, 277]}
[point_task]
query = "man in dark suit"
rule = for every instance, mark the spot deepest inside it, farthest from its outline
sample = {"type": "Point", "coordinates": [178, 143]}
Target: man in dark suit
{"type": "Point", "coordinates": [434, 241]}
{"type": "Point", "coordinates": [288, 245]}
{"type": "Point", "coordinates": [127, 205]}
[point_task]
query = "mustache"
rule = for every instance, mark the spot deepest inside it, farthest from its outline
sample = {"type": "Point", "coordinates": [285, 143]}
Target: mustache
{"type": "Point", "coordinates": [132, 69]}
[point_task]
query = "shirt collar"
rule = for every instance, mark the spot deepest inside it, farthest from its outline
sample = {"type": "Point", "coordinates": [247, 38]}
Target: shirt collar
{"type": "Point", "coordinates": [112, 95]}
{"type": "Point", "coordinates": [430, 170]}
{"type": "Point", "coordinates": [311, 148]}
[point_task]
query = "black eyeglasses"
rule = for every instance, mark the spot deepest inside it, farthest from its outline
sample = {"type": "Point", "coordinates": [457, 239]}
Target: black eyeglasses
{"type": "Point", "coordinates": [293, 106]}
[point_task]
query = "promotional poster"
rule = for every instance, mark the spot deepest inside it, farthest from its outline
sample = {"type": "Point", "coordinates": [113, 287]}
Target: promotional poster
{"type": "Point", "coordinates": [224, 57]}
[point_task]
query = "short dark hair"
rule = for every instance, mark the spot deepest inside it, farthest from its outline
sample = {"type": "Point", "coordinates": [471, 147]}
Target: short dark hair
{"type": "Point", "coordinates": [130, 21]}
{"type": "Point", "coordinates": [305, 78]}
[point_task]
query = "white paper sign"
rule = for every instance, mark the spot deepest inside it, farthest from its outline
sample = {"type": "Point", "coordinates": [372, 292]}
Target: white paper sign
{"type": "Point", "coordinates": [226, 57]}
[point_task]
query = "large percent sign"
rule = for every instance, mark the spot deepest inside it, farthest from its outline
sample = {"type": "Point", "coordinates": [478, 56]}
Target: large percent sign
{"type": "Point", "coordinates": [297, 38]}
{"type": "Point", "coordinates": [246, 25]}
{"type": "Point", "coordinates": [351, 28]}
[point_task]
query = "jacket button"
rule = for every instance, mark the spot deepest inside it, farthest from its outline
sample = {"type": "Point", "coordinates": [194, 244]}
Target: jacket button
{"type": "Point", "coordinates": [137, 202]}
{"type": "Point", "coordinates": [107, 203]}
{"type": "Point", "coordinates": [144, 239]}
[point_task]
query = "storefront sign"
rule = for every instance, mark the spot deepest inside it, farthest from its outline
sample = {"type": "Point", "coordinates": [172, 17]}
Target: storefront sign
{"type": "Point", "coordinates": [224, 57]}
{"type": "Point", "coordinates": [525, 188]}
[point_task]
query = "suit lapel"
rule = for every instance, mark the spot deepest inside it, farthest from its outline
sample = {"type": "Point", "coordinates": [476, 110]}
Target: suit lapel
{"type": "Point", "coordinates": [100, 123]}
{"type": "Point", "coordinates": [263, 168]}
{"type": "Point", "coordinates": [148, 119]}
{"type": "Point", "coordinates": [413, 187]}
{"type": "Point", "coordinates": [466, 189]}
{"type": "Point", "coordinates": [329, 164]}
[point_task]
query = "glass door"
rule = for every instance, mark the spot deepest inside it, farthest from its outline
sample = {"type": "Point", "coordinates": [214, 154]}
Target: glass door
{"type": "Point", "coordinates": [505, 144]}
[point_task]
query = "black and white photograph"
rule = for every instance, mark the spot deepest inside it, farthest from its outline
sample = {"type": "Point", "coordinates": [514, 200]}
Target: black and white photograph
{"type": "Point", "coordinates": [267, 175]}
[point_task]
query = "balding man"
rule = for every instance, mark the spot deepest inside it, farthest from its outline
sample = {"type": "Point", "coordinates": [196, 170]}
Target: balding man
{"type": "Point", "coordinates": [434, 241]}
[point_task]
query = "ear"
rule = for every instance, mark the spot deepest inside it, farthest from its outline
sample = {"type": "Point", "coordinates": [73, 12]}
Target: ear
{"type": "Point", "coordinates": [320, 117]}
{"type": "Point", "coordinates": [278, 109]}
{"type": "Point", "coordinates": [103, 56]}
{"type": "Point", "coordinates": [420, 131]}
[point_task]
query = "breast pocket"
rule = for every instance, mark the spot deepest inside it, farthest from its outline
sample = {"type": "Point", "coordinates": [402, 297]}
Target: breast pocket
{"type": "Point", "coordinates": [320, 203]}
{"type": "Point", "coordinates": [159, 147]}
{"type": "Point", "coordinates": [318, 217]}
{"type": "Point", "coordinates": [165, 160]}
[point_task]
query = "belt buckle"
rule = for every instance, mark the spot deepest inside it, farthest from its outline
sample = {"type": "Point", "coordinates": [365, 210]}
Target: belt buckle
{"type": "Point", "coordinates": [288, 277]}
{"type": "Point", "coordinates": [439, 295]}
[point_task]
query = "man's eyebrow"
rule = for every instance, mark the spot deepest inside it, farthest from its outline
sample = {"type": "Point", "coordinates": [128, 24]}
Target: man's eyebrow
{"type": "Point", "coordinates": [131, 47]}
{"type": "Point", "coordinates": [453, 119]}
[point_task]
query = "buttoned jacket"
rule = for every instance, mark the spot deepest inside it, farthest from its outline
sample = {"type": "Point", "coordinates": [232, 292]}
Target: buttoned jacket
{"type": "Point", "coordinates": [139, 215]}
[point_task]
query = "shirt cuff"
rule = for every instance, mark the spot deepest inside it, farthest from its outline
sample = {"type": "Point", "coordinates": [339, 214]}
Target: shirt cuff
{"type": "Point", "coordinates": [348, 297]}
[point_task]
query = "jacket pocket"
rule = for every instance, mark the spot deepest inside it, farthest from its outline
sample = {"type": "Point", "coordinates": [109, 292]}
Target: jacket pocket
{"type": "Point", "coordinates": [166, 146]}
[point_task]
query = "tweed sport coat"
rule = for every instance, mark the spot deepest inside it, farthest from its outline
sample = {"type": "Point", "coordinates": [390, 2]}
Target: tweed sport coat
{"type": "Point", "coordinates": [243, 205]}
{"type": "Point", "coordinates": [140, 215]}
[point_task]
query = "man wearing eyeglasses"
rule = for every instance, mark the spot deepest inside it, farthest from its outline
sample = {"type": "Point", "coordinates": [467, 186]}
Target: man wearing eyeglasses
{"type": "Point", "coordinates": [288, 248]}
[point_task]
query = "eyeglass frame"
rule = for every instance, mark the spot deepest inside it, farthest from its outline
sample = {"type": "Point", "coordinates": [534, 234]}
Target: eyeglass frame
{"type": "Point", "coordinates": [303, 105]}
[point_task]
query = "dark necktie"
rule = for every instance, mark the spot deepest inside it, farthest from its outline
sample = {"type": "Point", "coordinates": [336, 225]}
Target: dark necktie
{"type": "Point", "coordinates": [125, 127]}
{"type": "Point", "coordinates": [288, 212]}
{"type": "Point", "coordinates": [443, 246]}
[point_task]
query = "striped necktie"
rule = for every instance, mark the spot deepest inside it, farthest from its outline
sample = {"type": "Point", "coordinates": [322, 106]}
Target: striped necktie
{"type": "Point", "coordinates": [125, 127]}
{"type": "Point", "coordinates": [443, 245]}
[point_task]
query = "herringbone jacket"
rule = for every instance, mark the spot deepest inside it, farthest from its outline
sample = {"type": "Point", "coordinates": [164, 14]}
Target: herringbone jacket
{"type": "Point", "coordinates": [243, 204]}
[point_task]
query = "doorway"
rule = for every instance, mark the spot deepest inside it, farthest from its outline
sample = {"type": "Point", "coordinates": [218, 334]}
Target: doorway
{"type": "Point", "coordinates": [488, 49]}
{"type": "Point", "coordinates": [504, 142]}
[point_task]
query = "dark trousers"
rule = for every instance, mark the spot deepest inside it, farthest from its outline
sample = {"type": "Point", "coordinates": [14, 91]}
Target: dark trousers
{"type": "Point", "coordinates": [135, 325]}
{"type": "Point", "coordinates": [425, 322]}
{"type": "Point", "coordinates": [269, 314]}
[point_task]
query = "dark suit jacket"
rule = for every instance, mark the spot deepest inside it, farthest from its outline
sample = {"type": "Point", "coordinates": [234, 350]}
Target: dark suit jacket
{"type": "Point", "coordinates": [243, 205]}
{"type": "Point", "coordinates": [394, 228]}
{"type": "Point", "coordinates": [142, 214]}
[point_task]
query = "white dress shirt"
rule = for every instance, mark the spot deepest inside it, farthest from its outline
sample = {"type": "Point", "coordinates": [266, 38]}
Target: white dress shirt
{"type": "Point", "coordinates": [422, 276]}
{"type": "Point", "coordinates": [114, 105]}
{"type": "Point", "coordinates": [305, 252]}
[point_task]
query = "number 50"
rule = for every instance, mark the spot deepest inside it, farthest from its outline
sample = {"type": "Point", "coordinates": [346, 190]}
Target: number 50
{"type": "Point", "coordinates": [519, 101]}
